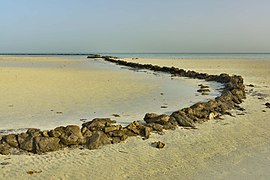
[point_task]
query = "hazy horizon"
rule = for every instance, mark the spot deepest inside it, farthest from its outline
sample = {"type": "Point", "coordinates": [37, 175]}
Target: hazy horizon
{"type": "Point", "coordinates": [153, 26]}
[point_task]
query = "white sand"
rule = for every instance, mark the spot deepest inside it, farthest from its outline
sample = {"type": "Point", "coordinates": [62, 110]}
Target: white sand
{"type": "Point", "coordinates": [234, 148]}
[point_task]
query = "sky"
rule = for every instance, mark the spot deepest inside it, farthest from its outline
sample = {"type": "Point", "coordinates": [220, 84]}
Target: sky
{"type": "Point", "coordinates": [84, 26]}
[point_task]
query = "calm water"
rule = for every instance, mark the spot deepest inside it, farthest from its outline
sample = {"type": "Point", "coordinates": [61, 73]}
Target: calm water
{"type": "Point", "coordinates": [248, 56]}
{"type": "Point", "coordinates": [265, 56]}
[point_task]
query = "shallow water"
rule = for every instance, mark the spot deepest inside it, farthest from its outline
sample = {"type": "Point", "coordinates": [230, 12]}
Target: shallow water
{"type": "Point", "coordinates": [160, 90]}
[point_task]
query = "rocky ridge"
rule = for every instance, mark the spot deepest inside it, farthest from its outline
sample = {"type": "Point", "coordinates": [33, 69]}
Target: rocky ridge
{"type": "Point", "coordinates": [103, 131]}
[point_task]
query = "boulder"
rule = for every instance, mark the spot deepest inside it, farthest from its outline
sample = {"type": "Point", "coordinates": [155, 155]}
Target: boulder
{"type": "Point", "coordinates": [155, 127]}
{"type": "Point", "coordinates": [134, 127]}
{"type": "Point", "coordinates": [11, 139]}
{"type": "Point", "coordinates": [159, 119]}
{"type": "Point", "coordinates": [57, 132]}
{"type": "Point", "coordinates": [112, 128]}
{"type": "Point", "coordinates": [34, 132]}
{"type": "Point", "coordinates": [86, 132]}
{"type": "Point", "coordinates": [72, 135]}
{"type": "Point", "coordinates": [98, 124]}
{"type": "Point", "coordinates": [98, 139]}
{"type": "Point", "coordinates": [267, 105]}
{"type": "Point", "coordinates": [5, 148]}
{"type": "Point", "coordinates": [182, 119]}
{"type": "Point", "coordinates": [27, 144]}
{"type": "Point", "coordinates": [45, 144]}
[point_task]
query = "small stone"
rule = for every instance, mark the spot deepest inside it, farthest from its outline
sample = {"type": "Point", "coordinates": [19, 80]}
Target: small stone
{"type": "Point", "coordinates": [267, 105]}
{"type": "Point", "coordinates": [116, 115]}
{"type": "Point", "coordinates": [158, 144]}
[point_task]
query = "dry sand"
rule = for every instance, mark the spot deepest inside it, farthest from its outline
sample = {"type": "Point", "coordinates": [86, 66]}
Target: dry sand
{"type": "Point", "coordinates": [233, 148]}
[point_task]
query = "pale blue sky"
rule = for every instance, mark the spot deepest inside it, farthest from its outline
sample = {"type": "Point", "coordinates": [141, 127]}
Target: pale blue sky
{"type": "Point", "coordinates": [134, 26]}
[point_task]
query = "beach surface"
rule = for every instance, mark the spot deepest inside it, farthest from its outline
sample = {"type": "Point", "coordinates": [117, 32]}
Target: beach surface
{"type": "Point", "coordinates": [233, 148]}
{"type": "Point", "coordinates": [46, 92]}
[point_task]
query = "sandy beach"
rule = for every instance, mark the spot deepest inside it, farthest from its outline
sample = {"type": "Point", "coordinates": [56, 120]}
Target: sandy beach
{"type": "Point", "coordinates": [233, 148]}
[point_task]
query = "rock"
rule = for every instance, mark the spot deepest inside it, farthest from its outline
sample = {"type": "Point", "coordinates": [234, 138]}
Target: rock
{"type": "Point", "coordinates": [134, 127]}
{"type": "Point", "coordinates": [34, 132]}
{"type": "Point", "coordinates": [155, 127]}
{"type": "Point", "coordinates": [116, 140]}
{"type": "Point", "coordinates": [98, 139]}
{"type": "Point", "coordinates": [5, 148]}
{"type": "Point", "coordinates": [11, 139]}
{"type": "Point", "coordinates": [27, 144]}
{"type": "Point", "coordinates": [46, 144]}
{"type": "Point", "coordinates": [21, 138]}
{"type": "Point", "coordinates": [150, 116]}
{"type": "Point", "coordinates": [158, 144]}
{"type": "Point", "coordinates": [267, 105]}
{"type": "Point", "coordinates": [250, 85]}
{"type": "Point", "coordinates": [203, 86]}
{"type": "Point", "coordinates": [98, 124]}
{"type": "Point", "coordinates": [202, 90]}
{"type": "Point", "coordinates": [72, 135]}
{"type": "Point", "coordinates": [159, 119]}
{"type": "Point", "coordinates": [86, 132]}
{"type": "Point", "coordinates": [45, 133]}
{"type": "Point", "coordinates": [112, 128]}
{"type": "Point", "coordinates": [57, 132]}
{"type": "Point", "coordinates": [213, 115]}
{"type": "Point", "coordinates": [147, 132]}
{"type": "Point", "coordinates": [182, 119]}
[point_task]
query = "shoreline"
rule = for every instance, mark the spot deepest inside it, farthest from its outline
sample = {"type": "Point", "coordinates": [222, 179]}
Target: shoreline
{"type": "Point", "coordinates": [91, 132]}
{"type": "Point", "coordinates": [215, 150]}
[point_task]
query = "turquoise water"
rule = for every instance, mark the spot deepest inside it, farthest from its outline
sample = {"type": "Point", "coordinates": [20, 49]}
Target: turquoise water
{"type": "Point", "coordinates": [265, 56]}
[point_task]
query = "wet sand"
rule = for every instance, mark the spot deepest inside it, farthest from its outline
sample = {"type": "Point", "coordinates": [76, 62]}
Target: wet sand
{"type": "Point", "coordinates": [233, 148]}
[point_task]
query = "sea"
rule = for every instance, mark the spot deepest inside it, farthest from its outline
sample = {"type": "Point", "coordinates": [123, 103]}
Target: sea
{"type": "Point", "coordinates": [244, 56]}
{"type": "Point", "coordinates": [262, 56]}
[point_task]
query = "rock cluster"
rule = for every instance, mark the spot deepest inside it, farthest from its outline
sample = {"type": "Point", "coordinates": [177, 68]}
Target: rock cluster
{"type": "Point", "coordinates": [102, 131]}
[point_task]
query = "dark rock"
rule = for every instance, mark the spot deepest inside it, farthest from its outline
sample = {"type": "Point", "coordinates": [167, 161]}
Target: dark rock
{"type": "Point", "coordinates": [159, 119]}
{"type": "Point", "coordinates": [158, 144]}
{"type": "Point", "coordinates": [45, 133]}
{"type": "Point", "coordinates": [203, 86]}
{"type": "Point", "coordinates": [147, 132]}
{"type": "Point", "coordinates": [57, 132]}
{"type": "Point", "coordinates": [203, 90]}
{"type": "Point", "coordinates": [112, 128]}
{"type": "Point", "coordinates": [134, 127]}
{"type": "Point", "coordinates": [250, 85]}
{"type": "Point", "coordinates": [155, 127]}
{"type": "Point", "coordinates": [182, 119]}
{"type": "Point", "coordinates": [72, 136]}
{"type": "Point", "coordinates": [150, 116]}
{"type": "Point", "coordinates": [21, 138]}
{"type": "Point", "coordinates": [86, 132]}
{"type": "Point", "coordinates": [11, 139]}
{"type": "Point", "coordinates": [34, 132]}
{"type": "Point", "coordinates": [267, 105]}
{"type": "Point", "coordinates": [98, 139]}
{"type": "Point", "coordinates": [46, 144]}
{"type": "Point", "coordinates": [5, 149]}
{"type": "Point", "coordinates": [98, 124]}
{"type": "Point", "coordinates": [27, 144]}
{"type": "Point", "coordinates": [94, 56]}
